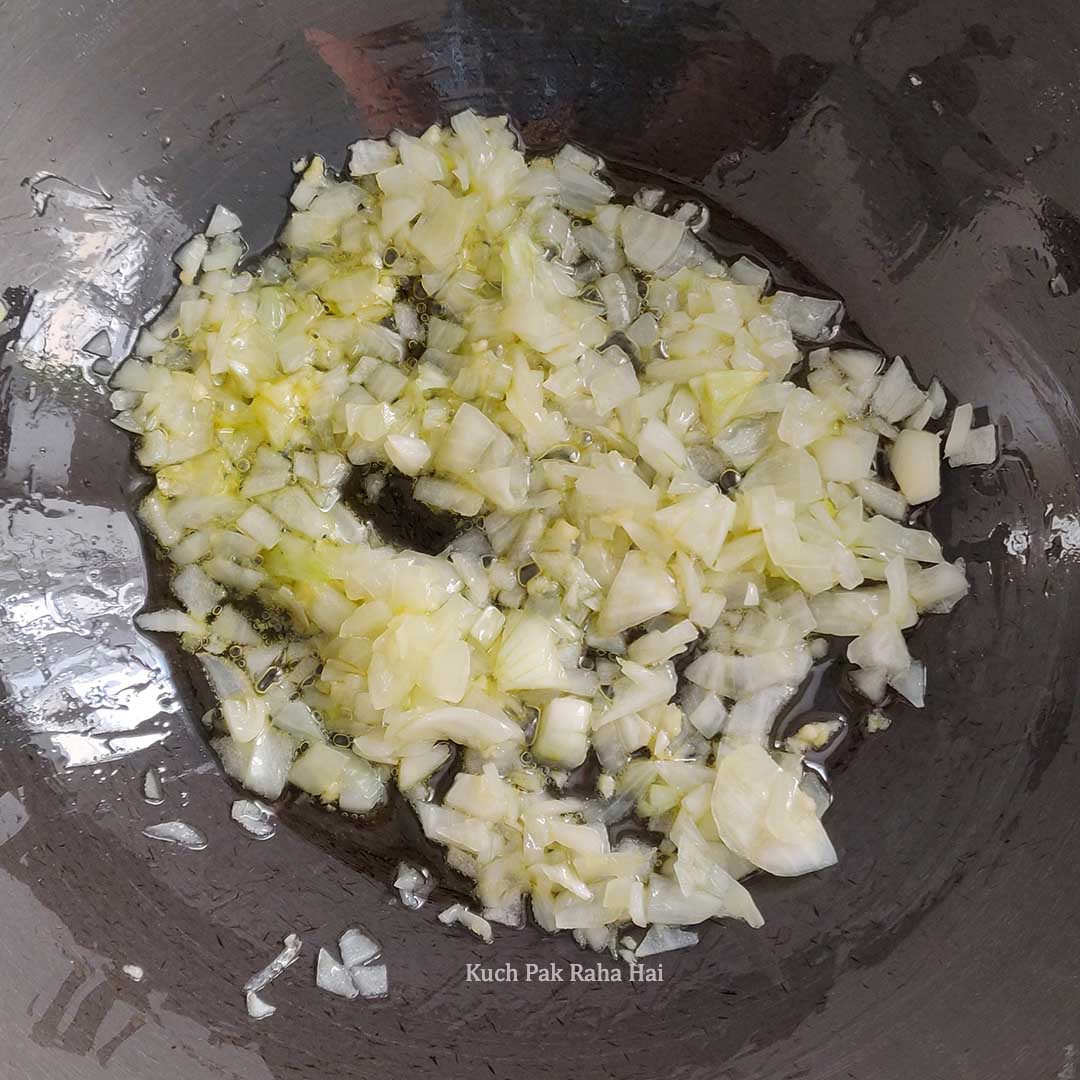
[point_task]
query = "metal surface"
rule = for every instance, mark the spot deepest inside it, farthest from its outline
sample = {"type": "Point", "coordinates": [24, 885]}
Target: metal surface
{"type": "Point", "coordinates": [923, 160]}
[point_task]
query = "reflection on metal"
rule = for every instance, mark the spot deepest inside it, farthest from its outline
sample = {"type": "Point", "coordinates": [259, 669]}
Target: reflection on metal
{"type": "Point", "coordinates": [106, 244]}
{"type": "Point", "coordinates": [89, 688]}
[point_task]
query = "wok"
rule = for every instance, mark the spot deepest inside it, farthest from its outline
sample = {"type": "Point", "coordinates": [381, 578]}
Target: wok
{"type": "Point", "coordinates": [923, 160]}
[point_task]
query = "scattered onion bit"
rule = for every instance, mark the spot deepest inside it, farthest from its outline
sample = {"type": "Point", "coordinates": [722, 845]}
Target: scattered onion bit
{"type": "Point", "coordinates": [177, 832]}
{"type": "Point", "coordinates": [284, 959]}
{"type": "Point", "coordinates": [413, 885]}
{"type": "Point", "coordinates": [258, 1009]}
{"type": "Point", "coordinates": [458, 913]}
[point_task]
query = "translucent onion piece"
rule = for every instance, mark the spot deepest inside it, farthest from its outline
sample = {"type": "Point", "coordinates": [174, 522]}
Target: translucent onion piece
{"type": "Point", "coordinates": [284, 959]}
{"type": "Point", "coordinates": [662, 939]}
{"type": "Point", "coordinates": [333, 977]}
{"type": "Point", "coordinates": [253, 817]}
{"type": "Point", "coordinates": [177, 832]}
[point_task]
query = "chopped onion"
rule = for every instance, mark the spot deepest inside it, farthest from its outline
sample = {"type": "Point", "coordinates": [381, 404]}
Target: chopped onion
{"type": "Point", "coordinates": [371, 982]}
{"type": "Point", "coordinates": [980, 448]}
{"type": "Point", "coordinates": [562, 733]}
{"type": "Point", "coordinates": [333, 977]}
{"type": "Point", "coordinates": [810, 318]}
{"type": "Point", "coordinates": [880, 498]}
{"type": "Point", "coordinates": [458, 913]}
{"type": "Point", "coordinates": [413, 885]}
{"type": "Point", "coordinates": [749, 273]}
{"type": "Point", "coordinates": [938, 401]}
{"type": "Point", "coordinates": [593, 421]}
{"type": "Point", "coordinates": [254, 817]}
{"type": "Point", "coordinates": [284, 959]}
{"type": "Point", "coordinates": [153, 792]}
{"type": "Point", "coordinates": [368, 156]}
{"type": "Point", "coordinates": [649, 239]}
{"type": "Point", "coordinates": [258, 1009]}
{"type": "Point", "coordinates": [915, 461]}
{"type": "Point", "coordinates": [762, 815]}
{"type": "Point", "coordinates": [662, 939]}
{"type": "Point", "coordinates": [222, 220]}
{"type": "Point", "coordinates": [357, 948]}
{"type": "Point", "coordinates": [897, 396]}
{"type": "Point", "coordinates": [911, 683]}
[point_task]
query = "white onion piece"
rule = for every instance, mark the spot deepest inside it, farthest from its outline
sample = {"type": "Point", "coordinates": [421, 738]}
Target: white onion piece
{"type": "Point", "coordinates": [980, 448]}
{"type": "Point", "coordinates": [470, 727]}
{"type": "Point", "coordinates": [911, 683]}
{"type": "Point", "coordinates": [709, 715]}
{"type": "Point", "coordinates": [190, 255]}
{"type": "Point", "coordinates": [284, 959]}
{"type": "Point", "coordinates": [921, 416]}
{"type": "Point", "coordinates": [562, 732]}
{"type": "Point", "coordinates": [881, 499]}
{"type": "Point", "coordinates": [938, 401]}
{"type": "Point", "coordinates": [857, 364]}
{"type": "Point", "coordinates": [367, 156]}
{"type": "Point", "coordinates": [254, 817]}
{"type": "Point", "coordinates": [153, 792]}
{"type": "Point", "coordinates": [881, 646]}
{"type": "Point", "coordinates": [578, 188]}
{"type": "Point", "coordinates": [810, 318]}
{"type": "Point", "coordinates": [333, 977]}
{"type": "Point", "coordinates": [649, 239]}
{"type": "Point", "coordinates": [134, 972]}
{"type": "Point", "coordinates": [258, 1009]}
{"type": "Point", "coordinates": [222, 220]}
{"type": "Point", "coordinates": [762, 815]}
{"type": "Point", "coordinates": [357, 948]}
{"type": "Point", "coordinates": [748, 272]}
{"type": "Point", "coordinates": [413, 885]}
{"type": "Point", "coordinates": [752, 718]}
{"type": "Point", "coordinates": [938, 588]}
{"type": "Point", "coordinates": [959, 430]}
{"type": "Point", "coordinates": [897, 396]}
{"type": "Point", "coordinates": [177, 832]}
{"type": "Point", "coordinates": [371, 982]}
{"type": "Point", "coordinates": [915, 460]}
{"type": "Point", "coordinates": [871, 683]}
{"type": "Point", "coordinates": [641, 590]}
{"type": "Point", "coordinates": [662, 939]}
{"type": "Point", "coordinates": [458, 913]}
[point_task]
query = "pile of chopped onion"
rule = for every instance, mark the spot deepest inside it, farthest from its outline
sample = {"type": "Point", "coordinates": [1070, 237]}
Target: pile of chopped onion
{"type": "Point", "coordinates": [651, 456]}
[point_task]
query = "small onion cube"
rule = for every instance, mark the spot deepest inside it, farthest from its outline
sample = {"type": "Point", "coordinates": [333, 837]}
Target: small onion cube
{"type": "Point", "coordinates": [333, 977]}
{"type": "Point", "coordinates": [357, 948]}
{"type": "Point", "coordinates": [371, 982]}
{"type": "Point", "coordinates": [959, 430]}
{"type": "Point", "coordinates": [980, 448]}
{"type": "Point", "coordinates": [662, 939]}
{"type": "Point", "coordinates": [915, 460]}
{"type": "Point", "coordinates": [258, 1009]}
